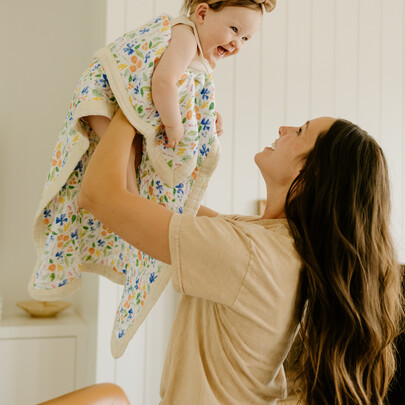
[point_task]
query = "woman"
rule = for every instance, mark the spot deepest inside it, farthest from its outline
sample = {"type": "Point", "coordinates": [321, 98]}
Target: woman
{"type": "Point", "coordinates": [321, 255]}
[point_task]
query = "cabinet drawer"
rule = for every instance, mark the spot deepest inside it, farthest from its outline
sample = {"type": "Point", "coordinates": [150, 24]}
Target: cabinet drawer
{"type": "Point", "coordinates": [33, 370]}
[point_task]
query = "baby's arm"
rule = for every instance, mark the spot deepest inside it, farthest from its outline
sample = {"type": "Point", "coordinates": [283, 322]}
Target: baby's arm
{"type": "Point", "coordinates": [172, 65]}
{"type": "Point", "coordinates": [99, 125]}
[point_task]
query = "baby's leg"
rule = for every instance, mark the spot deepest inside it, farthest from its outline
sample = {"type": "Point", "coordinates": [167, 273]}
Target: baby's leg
{"type": "Point", "coordinates": [99, 125]}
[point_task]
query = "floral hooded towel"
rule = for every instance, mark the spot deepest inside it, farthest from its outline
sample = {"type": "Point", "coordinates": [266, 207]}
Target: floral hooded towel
{"type": "Point", "coordinates": [70, 240]}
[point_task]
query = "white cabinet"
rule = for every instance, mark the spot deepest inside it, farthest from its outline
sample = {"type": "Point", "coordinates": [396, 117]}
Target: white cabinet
{"type": "Point", "coordinates": [41, 358]}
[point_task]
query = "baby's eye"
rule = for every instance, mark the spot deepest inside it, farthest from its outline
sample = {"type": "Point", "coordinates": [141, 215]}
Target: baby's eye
{"type": "Point", "coordinates": [234, 29]}
{"type": "Point", "coordinates": [299, 131]}
{"type": "Point", "coordinates": [244, 39]}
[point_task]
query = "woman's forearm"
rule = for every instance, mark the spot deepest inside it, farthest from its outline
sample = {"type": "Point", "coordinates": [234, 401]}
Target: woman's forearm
{"type": "Point", "coordinates": [142, 223]}
{"type": "Point", "coordinates": [99, 124]}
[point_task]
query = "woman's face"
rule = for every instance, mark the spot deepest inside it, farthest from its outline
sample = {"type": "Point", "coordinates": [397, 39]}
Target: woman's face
{"type": "Point", "coordinates": [280, 164]}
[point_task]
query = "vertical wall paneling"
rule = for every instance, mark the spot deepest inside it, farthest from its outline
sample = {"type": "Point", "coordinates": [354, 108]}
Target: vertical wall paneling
{"type": "Point", "coordinates": [401, 185]}
{"type": "Point", "coordinates": [115, 24]}
{"type": "Point", "coordinates": [138, 12]}
{"type": "Point", "coordinates": [323, 58]}
{"type": "Point", "coordinates": [346, 59]}
{"type": "Point", "coordinates": [220, 188]}
{"type": "Point", "coordinates": [172, 7]}
{"type": "Point", "coordinates": [369, 75]}
{"type": "Point", "coordinates": [273, 79]}
{"type": "Point", "coordinates": [298, 61]}
{"type": "Point", "coordinates": [246, 129]}
{"type": "Point", "coordinates": [392, 101]}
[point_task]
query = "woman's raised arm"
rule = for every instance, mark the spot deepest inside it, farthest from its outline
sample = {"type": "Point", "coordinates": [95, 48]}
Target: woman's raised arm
{"type": "Point", "coordinates": [142, 223]}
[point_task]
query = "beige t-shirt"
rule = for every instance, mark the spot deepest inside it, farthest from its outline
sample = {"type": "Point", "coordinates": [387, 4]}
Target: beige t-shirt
{"type": "Point", "coordinates": [238, 316]}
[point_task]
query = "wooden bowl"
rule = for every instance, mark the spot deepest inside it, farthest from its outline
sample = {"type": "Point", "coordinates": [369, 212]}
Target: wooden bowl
{"type": "Point", "coordinates": [43, 309]}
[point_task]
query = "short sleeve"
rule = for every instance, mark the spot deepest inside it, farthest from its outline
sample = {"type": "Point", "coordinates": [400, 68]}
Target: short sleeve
{"type": "Point", "coordinates": [210, 257]}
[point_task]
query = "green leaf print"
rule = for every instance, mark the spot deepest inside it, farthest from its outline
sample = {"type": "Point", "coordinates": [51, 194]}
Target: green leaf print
{"type": "Point", "coordinates": [212, 106]}
{"type": "Point", "coordinates": [139, 53]}
{"type": "Point", "coordinates": [52, 276]}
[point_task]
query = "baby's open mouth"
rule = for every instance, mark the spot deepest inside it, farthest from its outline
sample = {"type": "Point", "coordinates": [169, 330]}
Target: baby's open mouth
{"type": "Point", "coordinates": [221, 50]}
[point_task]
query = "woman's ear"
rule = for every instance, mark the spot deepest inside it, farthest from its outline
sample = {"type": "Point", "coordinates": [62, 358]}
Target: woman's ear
{"type": "Point", "coordinates": [201, 12]}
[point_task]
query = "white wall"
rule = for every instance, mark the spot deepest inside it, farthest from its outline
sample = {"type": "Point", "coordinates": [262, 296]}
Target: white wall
{"type": "Point", "coordinates": [343, 58]}
{"type": "Point", "coordinates": [312, 57]}
{"type": "Point", "coordinates": [45, 45]}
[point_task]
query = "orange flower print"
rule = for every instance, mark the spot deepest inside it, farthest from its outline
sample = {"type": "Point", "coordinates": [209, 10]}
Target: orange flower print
{"type": "Point", "coordinates": [133, 68]}
{"type": "Point", "coordinates": [60, 237]}
{"type": "Point", "coordinates": [65, 238]}
{"type": "Point", "coordinates": [54, 162]}
{"type": "Point", "coordinates": [52, 267]}
{"type": "Point", "coordinates": [134, 59]}
{"type": "Point", "coordinates": [60, 244]}
{"type": "Point", "coordinates": [58, 153]}
{"type": "Point", "coordinates": [189, 114]}
{"type": "Point", "coordinates": [91, 251]}
{"type": "Point", "coordinates": [46, 221]}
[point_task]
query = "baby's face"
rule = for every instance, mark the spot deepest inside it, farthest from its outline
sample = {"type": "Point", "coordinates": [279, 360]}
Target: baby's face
{"type": "Point", "coordinates": [223, 33]}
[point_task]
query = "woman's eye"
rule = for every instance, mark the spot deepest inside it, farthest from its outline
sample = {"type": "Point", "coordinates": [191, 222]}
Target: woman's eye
{"type": "Point", "coordinates": [299, 131]}
{"type": "Point", "coordinates": [234, 29]}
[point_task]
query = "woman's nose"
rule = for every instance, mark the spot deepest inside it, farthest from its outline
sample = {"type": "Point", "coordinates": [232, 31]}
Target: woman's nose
{"type": "Point", "coordinates": [282, 131]}
{"type": "Point", "coordinates": [285, 130]}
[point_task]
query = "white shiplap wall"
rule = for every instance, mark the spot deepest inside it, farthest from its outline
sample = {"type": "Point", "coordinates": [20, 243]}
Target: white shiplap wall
{"type": "Point", "coordinates": [343, 58]}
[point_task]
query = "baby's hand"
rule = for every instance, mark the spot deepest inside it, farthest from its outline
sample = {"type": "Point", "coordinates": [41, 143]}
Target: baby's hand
{"type": "Point", "coordinates": [174, 134]}
{"type": "Point", "coordinates": [219, 124]}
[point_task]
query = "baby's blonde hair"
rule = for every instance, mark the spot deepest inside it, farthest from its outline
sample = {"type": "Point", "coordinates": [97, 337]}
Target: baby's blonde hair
{"type": "Point", "coordinates": [189, 6]}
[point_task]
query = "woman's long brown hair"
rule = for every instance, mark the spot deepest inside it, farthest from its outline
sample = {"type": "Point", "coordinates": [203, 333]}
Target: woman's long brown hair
{"type": "Point", "coordinates": [338, 209]}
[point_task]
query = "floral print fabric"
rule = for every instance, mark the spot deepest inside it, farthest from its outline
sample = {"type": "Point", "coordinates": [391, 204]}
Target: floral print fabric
{"type": "Point", "coordinates": [70, 240]}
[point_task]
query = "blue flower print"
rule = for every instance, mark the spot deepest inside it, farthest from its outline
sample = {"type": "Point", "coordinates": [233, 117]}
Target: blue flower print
{"type": "Point", "coordinates": [61, 219]}
{"type": "Point", "coordinates": [85, 90]}
{"type": "Point", "coordinates": [205, 124]}
{"type": "Point", "coordinates": [62, 283]}
{"type": "Point", "coordinates": [104, 81]}
{"type": "Point", "coordinates": [159, 187]}
{"type": "Point", "coordinates": [121, 333]}
{"type": "Point", "coordinates": [152, 277]}
{"type": "Point", "coordinates": [79, 166]}
{"type": "Point", "coordinates": [129, 50]}
{"type": "Point", "coordinates": [180, 210]}
{"type": "Point", "coordinates": [157, 20]}
{"type": "Point", "coordinates": [205, 93]}
{"type": "Point", "coordinates": [75, 234]}
{"type": "Point", "coordinates": [179, 188]}
{"type": "Point", "coordinates": [100, 243]}
{"type": "Point", "coordinates": [147, 57]}
{"type": "Point", "coordinates": [59, 255]}
{"type": "Point", "coordinates": [144, 30]}
{"type": "Point", "coordinates": [204, 150]}
{"type": "Point", "coordinates": [90, 222]}
{"type": "Point", "coordinates": [47, 213]}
